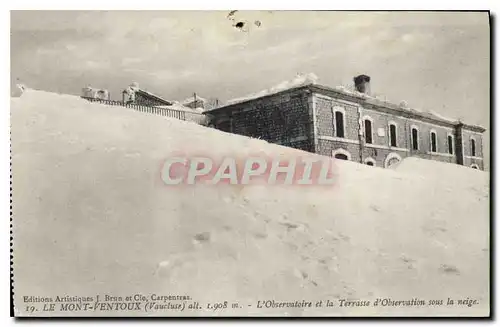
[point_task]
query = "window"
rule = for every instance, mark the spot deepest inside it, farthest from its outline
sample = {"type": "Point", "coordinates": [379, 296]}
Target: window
{"type": "Point", "coordinates": [433, 141]}
{"type": "Point", "coordinates": [370, 161]}
{"type": "Point", "coordinates": [339, 123]}
{"type": "Point", "coordinates": [414, 138]}
{"type": "Point", "coordinates": [450, 144]}
{"type": "Point", "coordinates": [473, 147]}
{"type": "Point", "coordinates": [392, 159]}
{"type": "Point", "coordinates": [474, 166]}
{"type": "Point", "coordinates": [393, 135]}
{"type": "Point", "coordinates": [368, 131]}
{"type": "Point", "coordinates": [341, 154]}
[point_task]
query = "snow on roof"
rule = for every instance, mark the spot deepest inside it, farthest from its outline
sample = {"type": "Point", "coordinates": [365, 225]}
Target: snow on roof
{"type": "Point", "coordinates": [433, 113]}
{"type": "Point", "coordinates": [153, 95]}
{"type": "Point", "coordinates": [191, 99]}
{"type": "Point", "coordinates": [429, 114]}
{"type": "Point", "coordinates": [134, 86]}
{"type": "Point", "coordinates": [347, 90]}
{"type": "Point", "coordinates": [311, 78]}
{"type": "Point", "coordinates": [299, 80]}
{"type": "Point", "coordinates": [403, 105]}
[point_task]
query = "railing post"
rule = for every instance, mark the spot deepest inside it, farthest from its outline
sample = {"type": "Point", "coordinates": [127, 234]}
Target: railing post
{"type": "Point", "coordinates": [166, 112]}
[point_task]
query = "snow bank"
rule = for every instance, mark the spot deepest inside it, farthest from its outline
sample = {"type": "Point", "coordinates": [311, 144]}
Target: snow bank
{"type": "Point", "coordinates": [445, 172]}
{"type": "Point", "coordinates": [91, 216]}
{"type": "Point", "coordinates": [299, 80]}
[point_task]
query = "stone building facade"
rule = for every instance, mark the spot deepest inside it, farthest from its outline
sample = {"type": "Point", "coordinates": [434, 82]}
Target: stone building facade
{"type": "Point", "coordinates": [352, 126]}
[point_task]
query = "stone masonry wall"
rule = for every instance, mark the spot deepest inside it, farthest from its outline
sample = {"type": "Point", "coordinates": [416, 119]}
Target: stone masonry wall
{"type": "Point", "coordinates": [306, 121]}
{"type": "Point", "coordinates": [381, 120]}
{"type": "Point", "coordinates": [327, 140]}
{"type": "Point", "coordinates": [468, 158]}
{"type": "Point", "coordinates": [326, 148]}
{"type": "Point", "coordinates": [380, 148]}
{"type": "Point", "coordinates": [284, 118]}
{"type": "Point", "coordinates": [325, 108]}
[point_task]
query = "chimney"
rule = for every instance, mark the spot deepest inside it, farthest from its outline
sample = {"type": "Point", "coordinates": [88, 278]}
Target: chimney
{"type": "Point", "coordinates": [362, 84]}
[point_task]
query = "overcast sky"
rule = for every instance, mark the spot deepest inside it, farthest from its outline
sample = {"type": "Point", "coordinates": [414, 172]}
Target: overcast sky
{"type": "Point", "coordinates": [436, 61]}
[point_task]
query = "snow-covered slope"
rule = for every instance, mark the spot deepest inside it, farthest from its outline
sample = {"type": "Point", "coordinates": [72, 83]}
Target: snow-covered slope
{"type": "Point", "coordinates": [91, 216]}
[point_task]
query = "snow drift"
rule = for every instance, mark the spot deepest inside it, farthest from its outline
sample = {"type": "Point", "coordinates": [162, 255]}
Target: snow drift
{"type": "Point", "coordinates": [91, 216]}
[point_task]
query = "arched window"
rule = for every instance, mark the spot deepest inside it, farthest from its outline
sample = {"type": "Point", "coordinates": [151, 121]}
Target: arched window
{"type": "Point", "coordinates": [393, 135]}
{"type": "Point", "coordinates": [472, 147]}
{"type": "Point", "coordinates": [339, 123]}
{"type": "Point", "coordinates": [370, 162]}
{"type": "Point", "coordinates": [368, 130]}
{"type": "Point", "coordinates": [392, 159]}
{"type": "Point", "coordinates": [414, 138]}
{"type": "Point", "coordinates": [433, 141]}
{"type": "Point", "coordinates": [451, 144]}
{"type": "Point", "coordinates": [341, 154]}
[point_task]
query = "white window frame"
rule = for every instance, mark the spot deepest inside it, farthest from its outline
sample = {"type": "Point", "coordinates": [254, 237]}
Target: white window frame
{"type": "Point", "coordinates": [411, 137]}
{"type": "Point", "coordinates": [365, 118]}
{"type": "Point", "coordinates": [430, 141]}
{"type": "Point", "coordinates": [390, 156]}
{"type": "Point", "coordinates": [334, 111]}
{"type": "Point", "coordinates": [370, 159]}
{"type": "Point", "coordinates": [472, 138]}
{"type": "Point", "coordinates": [389, 133]}
{"type": "Point", "coordinates": [452, 143]}
{"type": "Point", "coordinates": [341, 151]}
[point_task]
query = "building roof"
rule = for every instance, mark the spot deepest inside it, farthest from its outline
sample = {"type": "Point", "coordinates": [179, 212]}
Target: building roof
{"type": "Point", "coordinates": [191, 100]}
{"type": "Point", "coordinates": [365, 100]}
{"type": "Point", "coordinates": [154, 97]}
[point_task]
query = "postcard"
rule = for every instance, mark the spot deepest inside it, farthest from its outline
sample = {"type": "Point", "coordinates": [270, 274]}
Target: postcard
{"type": "Point", "coordinates": [250, 163]}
